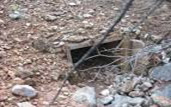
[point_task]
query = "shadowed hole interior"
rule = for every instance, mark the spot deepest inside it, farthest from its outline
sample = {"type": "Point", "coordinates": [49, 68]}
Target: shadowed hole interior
{"type": "Point", "coordinates": [94, 61]}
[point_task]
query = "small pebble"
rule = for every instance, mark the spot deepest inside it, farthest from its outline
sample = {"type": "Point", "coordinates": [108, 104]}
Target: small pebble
{"type": "Point", "coordinates": [72, 4]}
{"type": "Point", "coordinates": [15, 15]}
{"type": "Point", "coordinates": [87, 15]}
{"type": "Point", "coordinates": [105, 92]}
{"type": "Point", "coordinates": [50, 17]}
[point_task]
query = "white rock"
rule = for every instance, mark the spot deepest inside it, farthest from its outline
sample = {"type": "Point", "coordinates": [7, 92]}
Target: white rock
{"type": "Point", "coordinates": [105, 92]}
{"type": "Point", "coordinates": [81, 31]}
{"type": "Point", "coordinates": [85, 22]}
{"type": "Point", "coordinates": [124, 20]}
{"type": "Point", "coordinates": [53, 28]}
{"type": "Point", "coordinates": [50, 17]}
{"type": "Point", "coordinates": [146, 36]}
{"type": "Point", "coordinates": [72, 4]}
{"type": "Point", "coordinates": [156, 38]}
{"type": "Point", "coordinates": [24, 90]}
{"type": "Point", "coordinates": [125, 105]}
{"type": "Point", "coordinates": [15, 15]}
{"type": "Point", "coordinates": [148, 84]}
{"type": "Point", "coordinates": [1, 21]}
{"type": "Point", "coordinates": [124, 30]}
{"type": "Point", "coordinates": [166, 60]}
{"type": "Point", "coordinates": [87, 15]}
{"type": "Point", "coordinates": [89, 25]}
{"type": "Point", "coordinates": [106, 100]}
{"type": "Point", "coordinates": [116, 9]}
{"type": "Point", "coordinates": [28, 24]}
{"type": "Point", "coordinates": [127, 16]}
{"type": "Point", "coordinates": [25, 104]}
{"type": "Point", "coordinates": [91, 11]}
{"type": "Point", "coordinates": [85, 95]}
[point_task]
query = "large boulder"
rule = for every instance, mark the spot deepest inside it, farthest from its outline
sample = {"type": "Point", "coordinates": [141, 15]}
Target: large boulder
{"type": "Point", "coordinates": [162, 96]}
{"type": "Point", "coordinates": [162, 73]}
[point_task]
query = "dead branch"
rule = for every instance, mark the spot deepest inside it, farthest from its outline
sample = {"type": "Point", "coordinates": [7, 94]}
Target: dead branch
{"type": "Point", "coordinates": [103, 66]}
{"type": "Point", "coordinates": [102, 55]}
{"type": "Point", "coordinates": [95, 76]}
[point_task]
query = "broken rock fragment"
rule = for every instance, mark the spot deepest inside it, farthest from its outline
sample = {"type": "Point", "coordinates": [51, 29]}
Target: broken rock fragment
{"type": "Point", "coordinates": [85, 95]}
{"type": "Point", "coordinates": [106, 100]}
{"type": "Point", "coordinates": [122, 100]}
{"type": "Point", "coordinates": [105, 92]}
{"type": "Point", "coordinates": [25, 104]}
{"type": "Point", "coordinates": [146, 85]}
{"type": "Point", "coordinates": [50, 17]}
{"type": "Point", "coordinates": [24, 90]}
{"type": "Point", "coordinates": [15, 15]}
{"type": "Point", "coordinates": [127, 87]}
{"type": "Point", "coordinates": [87, 15]}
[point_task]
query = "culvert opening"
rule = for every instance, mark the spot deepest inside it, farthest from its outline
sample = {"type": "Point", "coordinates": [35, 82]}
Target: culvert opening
{"type": "Point", "coordinates": [94, 66]}
{"type": "Point", "coordinates": [95, 59]}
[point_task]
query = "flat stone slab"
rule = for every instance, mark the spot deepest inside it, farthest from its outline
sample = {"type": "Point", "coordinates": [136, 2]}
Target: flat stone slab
{"type": "Point", "coordinates": [162, 72]}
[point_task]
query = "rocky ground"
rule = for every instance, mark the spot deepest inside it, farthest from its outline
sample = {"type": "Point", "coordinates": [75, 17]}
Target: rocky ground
{"type": "Point", "coordinates": [129, 90]}
{"type": "Point", "coordinates": [32, 33]}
